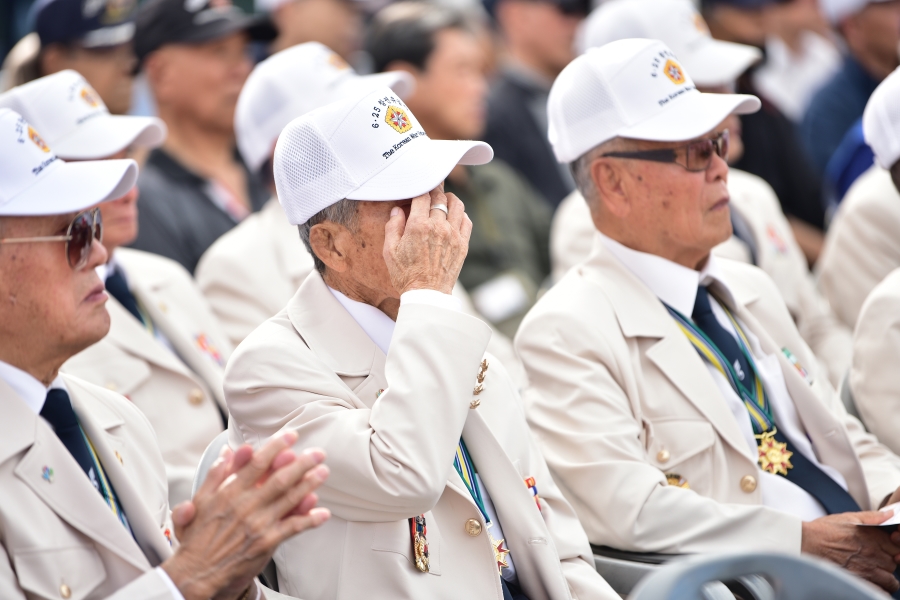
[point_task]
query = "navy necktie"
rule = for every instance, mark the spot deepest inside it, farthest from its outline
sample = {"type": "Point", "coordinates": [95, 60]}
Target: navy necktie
{"type": "Point", "coordinates": [59, 413]}
{"type": "Point", "coordinates": [118, 287]}
{"type": "Point", "coordinates": [806, 475]}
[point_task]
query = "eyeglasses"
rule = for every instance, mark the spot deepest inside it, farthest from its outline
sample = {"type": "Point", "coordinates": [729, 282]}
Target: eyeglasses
{"type": "Point", "coordinates": [694, 157]}
{"type": "Point", "coordinates": [83, 230]}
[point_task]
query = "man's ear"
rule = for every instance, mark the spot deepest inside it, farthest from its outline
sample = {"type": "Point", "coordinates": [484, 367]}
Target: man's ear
{"type": "Point", "coordinates": [609, 178]}
{"type": "Point", "coordinates": [331, 244]}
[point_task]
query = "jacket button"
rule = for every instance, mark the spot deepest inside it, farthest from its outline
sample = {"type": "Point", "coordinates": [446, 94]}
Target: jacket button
{"type": "Point", "coordinates": [111, 386]}
{"type": "Point", "coordinates": [195, 397]}
{"type": "Point", "coordinates": [748, 483]}
{"type": "Point", "coordinates": [65, 591]}
{"type": "Point", "coordinates": [662, 456]}
{"type": "Point", "coordinates": [473, 527]}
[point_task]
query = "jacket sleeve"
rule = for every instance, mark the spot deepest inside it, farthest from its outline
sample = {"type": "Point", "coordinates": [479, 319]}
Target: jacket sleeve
{"type": "Point", "coordinates": [389, 460]}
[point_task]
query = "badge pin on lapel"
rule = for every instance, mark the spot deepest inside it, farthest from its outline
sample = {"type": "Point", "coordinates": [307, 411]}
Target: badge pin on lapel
{"type": "Point", "coordinates": [479, 387]}
{"type": "Point", "coordinates": [47, 474]}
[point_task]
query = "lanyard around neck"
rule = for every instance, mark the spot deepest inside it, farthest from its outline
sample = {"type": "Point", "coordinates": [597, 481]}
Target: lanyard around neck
{"type": "Point", "coordinates": [463, 464]}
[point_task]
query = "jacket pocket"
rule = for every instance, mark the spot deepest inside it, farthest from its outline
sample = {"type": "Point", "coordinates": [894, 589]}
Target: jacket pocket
{"type": "Point", "coordinates": [45, 571]}
{"type": "Point", "coordinates": [395, 537]}
{"type": "Point", "coordinates": [682, 449]}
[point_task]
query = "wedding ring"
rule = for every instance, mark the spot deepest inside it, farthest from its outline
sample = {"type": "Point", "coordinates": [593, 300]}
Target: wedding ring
{"type": "Point", "coordinates": [440, 207]}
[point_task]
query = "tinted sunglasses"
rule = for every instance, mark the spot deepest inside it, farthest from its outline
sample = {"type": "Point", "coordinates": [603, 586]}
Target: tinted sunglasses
{"type": "Point", "coordinates": [694, 157]}
{"type": "Point", "coordinates": [86, 227]}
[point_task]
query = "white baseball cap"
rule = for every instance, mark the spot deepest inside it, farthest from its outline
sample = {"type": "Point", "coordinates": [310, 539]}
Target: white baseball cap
{"type": "Point", "coordinates": [34, 182]}
{"type": "Point", "coordinates": [677, 24]}
{"type": "Point", "coordinates": [881, 121]}
{"type": "Point", "coordinates": [366, 148]}
{"type": "Point", "coordinates": [634, 89]}
{"type": "Point", "coordinates": [838, 10]}
{"type": "Point", "coordinates": [74, 120]}
{"type": "Point", "coordinates": [293, 82]}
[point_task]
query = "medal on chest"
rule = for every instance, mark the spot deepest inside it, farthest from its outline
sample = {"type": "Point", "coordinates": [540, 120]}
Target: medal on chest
{"type": "Point", "coordinates": [418, 531]}
{"type": "Point", "coordinates": [774, 457]}
{"type": "Point", "coordinates": [499, 551]}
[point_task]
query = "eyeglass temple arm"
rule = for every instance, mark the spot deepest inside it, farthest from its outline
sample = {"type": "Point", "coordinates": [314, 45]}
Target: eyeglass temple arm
{"type": "Point", "coordinates": [48, 238]}
{"type": "Point", "coordinates": [665, 155]}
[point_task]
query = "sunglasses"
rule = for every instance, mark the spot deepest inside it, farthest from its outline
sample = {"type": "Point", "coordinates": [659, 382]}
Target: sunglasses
{"type": "Point", "coordinates": [86, 227]}
{"type": "Point", "coordinates": [694, 157]}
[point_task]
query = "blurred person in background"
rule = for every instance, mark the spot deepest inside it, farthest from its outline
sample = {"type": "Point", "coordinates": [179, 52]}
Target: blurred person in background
{"type": "Point", "coordinates": [772, 148]}
{"type": "Point", "coordinates": [165, 350]}
{"type": "Point", "coordinates": [538, 39]}
{"type": "Point", "coordinates": [93, 38]}
{"type": "Point", "coordinates": [871, 31]}
{"type": "Point", "coordinates": [196, 187]}
{"type": "Point", "coordinates": [761, 235]}
{"type": "Point", "coordinates": [508, 256]}
{"type": "Point", "coordinates": [337, 24]}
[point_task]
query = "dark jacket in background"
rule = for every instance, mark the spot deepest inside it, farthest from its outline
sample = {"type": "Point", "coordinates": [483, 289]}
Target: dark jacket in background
{"type": "Point", "coordinates": [177, 217]}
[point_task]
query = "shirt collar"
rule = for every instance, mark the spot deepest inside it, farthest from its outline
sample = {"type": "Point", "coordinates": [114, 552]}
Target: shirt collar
{"type": "Point", "coordinates": [104, 271]}
{"type": "Point", "coordinates": [377, 325]}
{"type": "Point", "coordinates": [673, 284]}
{"type": "Point", "coordinates": [29, 389]}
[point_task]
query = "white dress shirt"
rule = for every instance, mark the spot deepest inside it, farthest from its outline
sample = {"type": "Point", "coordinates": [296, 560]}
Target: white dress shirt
{"type": "Point", "coordinates": [380, 328]}
{"type": "Point", "coordinates": [676, 286]}
{"type": "Point", "coordinates": [34, 393]}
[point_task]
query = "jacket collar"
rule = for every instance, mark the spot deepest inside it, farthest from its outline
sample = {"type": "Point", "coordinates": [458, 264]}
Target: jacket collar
{"type": "Point", "coordinates": [292, 256]}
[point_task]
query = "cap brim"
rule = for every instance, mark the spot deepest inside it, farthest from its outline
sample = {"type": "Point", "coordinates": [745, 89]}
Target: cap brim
{"type": "Point", "coordinates": [421, 169]}
{"type": "Point", "coordinates": [258, 27]}
{"type": "Point", "coordinates": [715, 63]}
{"type": "Point", "coordinates": [691, 116]}
{"type": "Point", "coordinates": [106, 135]}
{"type": "Point", "coordinates": [73, 187]}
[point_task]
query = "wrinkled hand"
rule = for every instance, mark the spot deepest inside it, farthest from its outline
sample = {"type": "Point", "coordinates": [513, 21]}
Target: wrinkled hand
{"type": "Point", "coordinates": [866, 552]}
{"type": "Point", "coordinates": [427, 250]}
{"type": "Point", "coordinates": [249, 503]}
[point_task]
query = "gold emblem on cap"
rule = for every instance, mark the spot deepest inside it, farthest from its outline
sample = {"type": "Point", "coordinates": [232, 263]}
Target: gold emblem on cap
{"type": "Point", "coordinates": [90, 96]}
{"type": "Point", "coordinates": [674, 72]}
{"type": "Point", "coordinates": [38, 140]}
{"type": "Point", "coordinates": [337, 62]}
{"type": "Point", "coordinates": [397, 118]}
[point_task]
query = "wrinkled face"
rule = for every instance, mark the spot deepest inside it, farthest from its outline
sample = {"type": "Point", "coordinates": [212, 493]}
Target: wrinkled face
{"type": "Point", "coordinates": [451, 92]}
{"type": "Point", "coordinates": [879, 25]}
{"type": "Point", "coordinates": [337, 24]}
{"type": "Point", "coordinates": [203, 81]}
{"type": "Point", "coordinates": [46, 308]}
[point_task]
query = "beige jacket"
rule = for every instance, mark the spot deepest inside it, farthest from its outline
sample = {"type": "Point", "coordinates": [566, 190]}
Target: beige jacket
{"type": "Point", "coordinates": [778, 254]}
{"type": "Point", "coordinates": [60, 532]}
{"type": "Point", "coordinates": [180, 392]}
{"type": "Point", "coordinates": [875, 376]}
{"type": "Point", "coordinates": [620, 399]}
{"type": "Point", "coordinates": [390, 425]}
{"type": "Point", "coordinates": [862, 245]}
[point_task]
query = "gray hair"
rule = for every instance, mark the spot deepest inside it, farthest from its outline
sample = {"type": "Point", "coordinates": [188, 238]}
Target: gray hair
{"type": "Point", "coordinates": [581, 168]}
{"type": "Point", "coordinates": [344, 213]}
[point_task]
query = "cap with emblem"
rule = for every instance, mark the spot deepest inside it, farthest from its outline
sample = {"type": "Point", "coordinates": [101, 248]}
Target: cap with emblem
{"type": "Point", "coordinates": [161, 22]}
{"type": "Point", "coordinates": [635, 89]}
{"type": "Point", "coordinates": [677, 24]}
{"type": "Point", "coordinates": [34, 182]}
{"type": "Point", "coordinates": [91, 23]}
{"type": "Point", "coordinates": [75, 122]}
{"type": "Point", "coordinates": [290, 84]}
{"type": "Point", "coordinates": [366, 148]}
{"type": "Point", "coordinates": [881, 121]}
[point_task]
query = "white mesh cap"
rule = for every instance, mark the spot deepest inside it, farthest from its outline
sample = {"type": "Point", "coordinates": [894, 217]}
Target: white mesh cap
{"type": "Point", "coordinates": [293, 82]}
{"type": "Point", "coordinates": [881, 121]}
{"type": "Point", "coordinates": [677, 24]}
{"type": "Point", "coordinates": [636, 89]}
{"type": "Point", "coordinates": [74, 120]}
{"type": "Point", "coordinates": [34, 181]}
{"type": "Point", "coordinates": [838, 10]}
{"type": "Point", "coordinates": [367, 148]}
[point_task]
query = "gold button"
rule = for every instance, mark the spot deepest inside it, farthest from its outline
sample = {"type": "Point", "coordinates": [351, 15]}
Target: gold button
{"type": "Point", "coordinates": [119, 456]}
{"type": "Point", "coordinates": [662, 456]}
{"type": "Point", "coordinates": [111, 386]}
{"type": "Point", "coordinates": [195, 397]}
{"type": "Point", "coordinates": [473, 527]}
{"type": "Point", "coordinates": [163, 307]}
{"type": "Point", "coordinates": [65, 591]}
{"type": "Point", "coordinates": [748, 483]}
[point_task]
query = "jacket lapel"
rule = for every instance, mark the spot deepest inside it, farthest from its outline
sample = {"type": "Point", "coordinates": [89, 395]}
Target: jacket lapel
{"type": "Point", "coordinates": [293, 257]}
{"type": "Point", "coordinates": [130, 335]}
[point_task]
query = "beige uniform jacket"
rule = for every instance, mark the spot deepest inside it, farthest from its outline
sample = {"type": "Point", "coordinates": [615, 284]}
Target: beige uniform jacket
{"type": "Point", "coordinates": [181, 394]}
{"type": "Point", "coordinates": [875, 374]}
{"type": "Point", "coordinates": [391, 425]}
{"type": "Point", "coordinates": [862, 245]}
{"type": "Point", "coordinates": [778, 255]}
{"type": "Point", "coordinates": [60, 532]}
{"type": "Point", "coordinates": [620, 398]}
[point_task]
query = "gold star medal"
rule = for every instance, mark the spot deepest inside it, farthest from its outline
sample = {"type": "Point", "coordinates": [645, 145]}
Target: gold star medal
{"type": "Point", "coordinates": [774, 457]}
{"type": "Point", "coordinates": [500, 553]}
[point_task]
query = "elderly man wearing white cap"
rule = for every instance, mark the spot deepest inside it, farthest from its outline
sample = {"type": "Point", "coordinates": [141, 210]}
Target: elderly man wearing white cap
{"type": "Point", "coordinates": [761, 234]}
{"type": "Point", "coordinates": [863, 243]}
{"type": "Point", "coordinates": [436, 486]}
{"type": "Point", "coordinates": [678, 406]}
{"type": "Point", "coordinates": [165, 350]}
{"type": "Point", "coordinates": [84, 506]}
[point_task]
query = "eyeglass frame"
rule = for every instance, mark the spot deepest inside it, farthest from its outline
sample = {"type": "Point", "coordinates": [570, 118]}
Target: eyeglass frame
{"type": "Point", "coordinates": [96, 222]}
{"type": "Point", "coordinates": [670, 155]}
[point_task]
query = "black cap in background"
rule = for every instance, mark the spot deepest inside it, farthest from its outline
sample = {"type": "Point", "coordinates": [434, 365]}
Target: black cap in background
{"type": "Point", "coordinates": [92, 23]}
